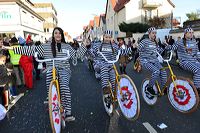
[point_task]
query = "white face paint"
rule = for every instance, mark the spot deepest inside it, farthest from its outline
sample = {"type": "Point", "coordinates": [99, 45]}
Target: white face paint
{"type": "Point", "coordinates": [189, 35]}
{"type": "Point", "coordinates": [107, 38]}
{"type": "Point", "coordinates": [152, 35]}
{"type": "Point", "coordinates": [57, 36]}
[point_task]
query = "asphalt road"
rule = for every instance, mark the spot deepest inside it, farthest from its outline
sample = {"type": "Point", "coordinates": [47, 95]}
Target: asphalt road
{"type": "Point", "coordinates": [30, 115]}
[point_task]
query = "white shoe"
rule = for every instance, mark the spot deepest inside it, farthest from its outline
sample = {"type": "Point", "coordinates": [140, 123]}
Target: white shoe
{"type": "Point", "coordinates": [69, 118]}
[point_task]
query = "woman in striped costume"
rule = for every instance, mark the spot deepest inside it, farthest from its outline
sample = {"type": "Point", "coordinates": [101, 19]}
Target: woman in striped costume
{"type": "Point", "coordinates": [110, 51]}
{"type": "Point", "coordinates": [148, 57]}
{"type": "Point", "coordinates": [187, 50]}
{"type": "Point", "coordinates": [57, 48]}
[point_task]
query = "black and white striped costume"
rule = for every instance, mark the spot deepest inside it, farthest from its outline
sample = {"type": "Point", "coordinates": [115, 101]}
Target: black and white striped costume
{"type": "Point", "coordinates": [63, 67]}
{"type": "Point", "coordinates": [188, 61]}
{"type": "Point", "coordinates": [148, 57]}
{"type": "Point", "coordinates": [110, 51]}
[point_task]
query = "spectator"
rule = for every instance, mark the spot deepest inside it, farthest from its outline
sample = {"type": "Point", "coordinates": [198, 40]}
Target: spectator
{"type": "Point", "coordinates": [14, 59]}
{"type": "Point", "coordinates": [12, 84]}
{"type": "Point", "coordinates": [75, 45]}
{"type": "Point", "coordinates": [129, 42]}
{"type": "Point", "coordinates": [37, 70]}
{"type": "Point", "coordinates": [198, 43]}
{"type": "Point", "coordinates": [4, 80]}
{"type": "Point", "coordinates": [171, 41]}
{"type": "Point", "coordinates": [26, 62]}
{"type": "Point", "coordinates": [123, 59]}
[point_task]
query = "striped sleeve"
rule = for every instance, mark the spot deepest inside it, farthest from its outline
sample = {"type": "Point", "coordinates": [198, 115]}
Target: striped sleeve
{"type": "Point", "coordinates": [173, 47]}
{"type": "Point", "coordinates": [82, 50]}
{"type": "Point", "coordinates": [125, 51]}
{"type": "Point", "coordinates": [24, 50]}
{"type": "Point", "coordinates": [141, 46]}
{"type": "Point", "coordinates": [160, 50]}
{"type": "Point", "coordinates": [40, 50]}
{"type": "Point", "coordinates": [30, 50]}
{"type": "Point", "coordinates": [196, 48]}
{"type": "Point", "coordinates": [72, 52]}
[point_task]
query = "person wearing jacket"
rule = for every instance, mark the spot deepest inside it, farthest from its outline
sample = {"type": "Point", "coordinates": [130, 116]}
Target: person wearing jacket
{"type": "Point", "coordinates": [57, 48]}
{"type": "Point", "coordinates": [26, 62]}
{"type": "Point", "coordinates": [14, 59]}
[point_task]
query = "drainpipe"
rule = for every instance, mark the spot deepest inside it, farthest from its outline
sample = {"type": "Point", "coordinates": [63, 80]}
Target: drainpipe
{"type": "Point", "coordinates": [171, 19]}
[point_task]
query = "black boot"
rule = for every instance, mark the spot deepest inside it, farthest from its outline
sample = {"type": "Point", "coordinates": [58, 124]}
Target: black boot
{"type": "Point", "coordinates": [124, 69]}
{"type": "Point", "coordinates": [198, 90]}
{"type": "Point", "coordinates": [152, 91]}
{"type": "Point", "coordinates": [121, 71]}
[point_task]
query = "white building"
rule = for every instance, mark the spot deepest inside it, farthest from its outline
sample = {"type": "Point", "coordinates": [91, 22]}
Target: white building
{"type": "Point", "coordinates": [17, 18]}
{"type": "Point", "coordinates": [132, 11]}
{"type": "Point", "coordinates": [96, 27]}
{"type": "Point", "coordinates": [49, 13]}
{"type": "Point", "coordinates": [110, 17]}
{"type": "Point", "coordinates": [102, 25]}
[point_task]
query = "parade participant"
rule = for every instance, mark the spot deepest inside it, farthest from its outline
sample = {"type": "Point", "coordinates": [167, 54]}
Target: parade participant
{"type": "Point", "coordinates": [57, 48]}
{"type": "Point", "coordinates": [148, 58]}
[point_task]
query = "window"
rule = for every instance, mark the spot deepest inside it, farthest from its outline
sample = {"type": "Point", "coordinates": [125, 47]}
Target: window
{"type": "Point", "coordinates": [148, 15]}
{"type": "Point", "coordinates": [44, 29]}
{"type": "Point", "coordinates": [47, 29]}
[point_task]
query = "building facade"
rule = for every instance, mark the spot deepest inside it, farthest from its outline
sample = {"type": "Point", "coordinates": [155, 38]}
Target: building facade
{"type": "Point", "coordinates": [17, 18]}
{"type": "Point", "coordinates": [49, 13]}
{"type": "Point", "coordinates": [132, 11]}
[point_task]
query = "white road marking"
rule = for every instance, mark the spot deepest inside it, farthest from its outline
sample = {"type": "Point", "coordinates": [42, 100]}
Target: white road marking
{"type": "Point", "coordinates": [46, 102]}
{"type": "Point", "coordinates": [149, 127]}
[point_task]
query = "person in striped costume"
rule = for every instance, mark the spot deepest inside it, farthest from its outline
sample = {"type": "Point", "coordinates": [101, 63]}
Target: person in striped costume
{"type": "Point", "coordinates": [188, 56]}
{"type": "Point", "coordinates": [110, 51]}
{"type": "Point", "coordinates": [57, 48]}
{"type": "Point", "coordinates": [148, 57]}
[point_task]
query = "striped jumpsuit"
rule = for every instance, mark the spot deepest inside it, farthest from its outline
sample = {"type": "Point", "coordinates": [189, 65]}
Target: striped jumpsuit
{"type": "Point", "coordinates": [62, 67]}
{"type": "Point", "coordinates": [188, 61]}
{"type": "Point", "coordinates": [148, 57]}
{"type": "Point", "coordinates": [110, 51]}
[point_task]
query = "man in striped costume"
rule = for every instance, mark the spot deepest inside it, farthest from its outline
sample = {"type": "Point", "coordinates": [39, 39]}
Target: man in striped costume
{"type": "Point", "coordinates": [187, 50]}
{"type": "Point", "coordinates": [148, 57]}
{"type": "Point", "coordinates": [110, 51]}
{"type": "Point", "coordinates": [57, 48]}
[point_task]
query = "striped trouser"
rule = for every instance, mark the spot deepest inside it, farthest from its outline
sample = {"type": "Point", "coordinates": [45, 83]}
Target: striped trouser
{"type": "Point", "coordinates": [194, 67]}
{"type": "Point", "coordinates": [64, 77]}
{"type": "Point", "coordinates": [156, 73]}
{"type": "Point", "coordinates": [107, 74]}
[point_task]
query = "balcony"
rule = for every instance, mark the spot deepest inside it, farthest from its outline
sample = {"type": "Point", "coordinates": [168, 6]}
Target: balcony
{"type": "Point", "coordinates": [151, 3]}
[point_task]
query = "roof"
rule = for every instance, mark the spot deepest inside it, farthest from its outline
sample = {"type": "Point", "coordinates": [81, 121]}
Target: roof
{"type": "Point", "coordinates": [171, 3]}
{"type": "Point", "coordinates": [113, 3]}
{"type": "Point", "coordinates": [175, 22]}
{"type": "Point", "coordinates": [103, 18]}
{"type": "Point", "coordinates": [96, 20]}
{"type": "Point", "coordinates": [120, 5]}
{"type": "Point", "coordinates": [91, 24]}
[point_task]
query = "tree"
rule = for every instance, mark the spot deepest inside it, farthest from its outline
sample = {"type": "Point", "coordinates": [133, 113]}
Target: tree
{"type": "Point", "coordinates": [193, 16]}
{"type": "Point", "coordinates": [157, 22]}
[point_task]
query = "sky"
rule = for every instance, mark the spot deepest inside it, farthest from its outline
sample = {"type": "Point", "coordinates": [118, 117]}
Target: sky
{"type": "Point", "coordinates": [74, 14]}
